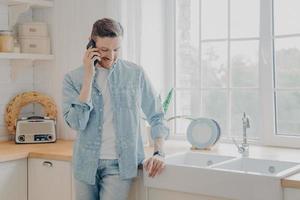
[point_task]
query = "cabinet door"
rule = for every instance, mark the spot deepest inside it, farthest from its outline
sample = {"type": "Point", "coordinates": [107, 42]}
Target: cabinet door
{"type": "Point", "coordinates": [137, 190]}
{"type": "Point", "coordinates": [49, 179]}
{"type": "Point", "coordinates": [157, 194]}
{"type": "Point", "coordinates": [13, 180]}
{"type": "Point", "coordinates": [291, 194]}
{"type": "Point", "coordinates": [72, 187]}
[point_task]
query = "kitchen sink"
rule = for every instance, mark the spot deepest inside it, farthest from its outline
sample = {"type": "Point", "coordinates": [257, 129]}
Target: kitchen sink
{"type": "Point", "coordinates": [260, 167]}
{"type": "Point", "coordinates": [195, 159]}
{"type": "Point", "coordinates": [223, 176]}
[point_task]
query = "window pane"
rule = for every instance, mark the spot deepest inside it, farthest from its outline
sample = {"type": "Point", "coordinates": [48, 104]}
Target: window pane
{"type": "Point", "coordinates": [288, 112]}
{"type": "Point", "coordinates": [215, 106]}
{"type": "Point", "coordinates": [287, 57]}
{"type": "Point", "coordinates": [244, 101]}
{"type": "Point", "coordinates": [187, 103]}
{"type": "Point", "coordinates": [286, 17]}
{"type": "Point", "coordinates": [187, 43]}
{"type": "Point", "coordinates": [244, 64]}
{"type": "Point", "coordinates": [244, 18]}
{"type": "Point", "coordinates": [214, 19]}
{"type": "Point", "coordinates": [214, 64]}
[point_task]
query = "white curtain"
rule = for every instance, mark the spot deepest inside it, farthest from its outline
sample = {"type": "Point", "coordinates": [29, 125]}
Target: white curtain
{"type": "Point", "coordinates": [145, 36]}
{"type": "Point", "coordinates": [128, 13]}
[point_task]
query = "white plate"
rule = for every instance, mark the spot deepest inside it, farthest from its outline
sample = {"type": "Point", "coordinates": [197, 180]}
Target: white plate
{"type": "Point", "coordinates": [203, 132]}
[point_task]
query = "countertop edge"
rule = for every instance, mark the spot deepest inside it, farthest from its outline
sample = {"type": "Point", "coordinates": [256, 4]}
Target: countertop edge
{"type": "Point", "coordinates": [50, 156]}
{"type": "Point", "coordinates": [292, 181]}
{"type": "Point", "coordinates": [286, 183]}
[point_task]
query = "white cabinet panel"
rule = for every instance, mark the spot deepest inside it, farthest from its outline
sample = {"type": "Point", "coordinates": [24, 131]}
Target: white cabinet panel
{"type": "Point", "coordinates": [49, 180]}
{"type": "Point", "coordinates": [291, 194]}
{"type": "Point", "coordinates": [13, 180]}
{"type": "Point", "coordinates": [137, 190]}
{"type": "Point", "coordinates": [72, 187]}
{"type": "Point", "coordinates": [157, 194]}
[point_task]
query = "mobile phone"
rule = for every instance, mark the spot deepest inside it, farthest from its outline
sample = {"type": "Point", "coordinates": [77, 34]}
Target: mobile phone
{"type": "Point", "coordinates": [93, 45]}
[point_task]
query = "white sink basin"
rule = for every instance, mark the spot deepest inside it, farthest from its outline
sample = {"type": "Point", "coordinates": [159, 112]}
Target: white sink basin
{"type": "Point", "coordinates": [223, 176]}
{"type": "Point", "coordinates": [260, 167]}
{"type": "Point", "coordinates": [194, 159]}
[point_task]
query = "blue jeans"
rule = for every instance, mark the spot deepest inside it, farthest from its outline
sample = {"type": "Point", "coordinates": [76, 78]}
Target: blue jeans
{"type": "Point", "coordinates": [108, 186]}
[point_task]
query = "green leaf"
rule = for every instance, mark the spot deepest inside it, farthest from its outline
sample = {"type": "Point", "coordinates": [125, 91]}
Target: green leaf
{"type": "Point", "coordinates": [167, 101]}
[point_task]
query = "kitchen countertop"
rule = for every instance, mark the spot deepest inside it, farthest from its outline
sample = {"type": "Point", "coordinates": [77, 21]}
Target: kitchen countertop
{"type": "Point", "coordinates": [62, 150]}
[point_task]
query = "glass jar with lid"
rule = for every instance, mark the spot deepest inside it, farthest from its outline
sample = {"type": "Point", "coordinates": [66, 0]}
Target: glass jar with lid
{"type": "Point", "coordinates": [6, 41]}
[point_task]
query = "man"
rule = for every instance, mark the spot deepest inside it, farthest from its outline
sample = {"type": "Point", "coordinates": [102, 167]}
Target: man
{"type": "Point", "coordinates": [102, 101]}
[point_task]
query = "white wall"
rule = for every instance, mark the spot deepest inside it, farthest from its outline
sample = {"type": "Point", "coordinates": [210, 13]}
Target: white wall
{"type": "Point", "coordinates": [73, 20]}
{"type": "Point", "coordinates": [70, 23]}
{"type": "Point", "coordinates": [13, 80]}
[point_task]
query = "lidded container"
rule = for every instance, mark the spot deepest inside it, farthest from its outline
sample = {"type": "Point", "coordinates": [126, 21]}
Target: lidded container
{"type": "Point", "coordinates": [33, 29]}
{"type": "Point", "coordinates": [6, 41]}
{"type": "Point", "coordinates": [34, 38]}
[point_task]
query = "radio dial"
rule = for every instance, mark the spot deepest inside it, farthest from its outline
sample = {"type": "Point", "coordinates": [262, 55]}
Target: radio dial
{"type": "Point", "coordinates": [21, 138]}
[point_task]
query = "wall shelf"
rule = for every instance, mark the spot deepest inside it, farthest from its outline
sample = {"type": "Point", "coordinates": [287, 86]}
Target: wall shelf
{"type": "Point", "coordinates": [31, 3]}
{"type": "Point", "coordinates": [17, 7]}
{"type": "Point", "coordinates": [26, 56]}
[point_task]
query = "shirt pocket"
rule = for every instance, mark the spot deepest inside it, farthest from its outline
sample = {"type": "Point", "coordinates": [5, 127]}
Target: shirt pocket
{"type": "Point", "coordinates": [125, 97]}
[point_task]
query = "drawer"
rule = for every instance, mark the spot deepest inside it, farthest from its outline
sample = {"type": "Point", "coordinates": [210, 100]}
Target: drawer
{"type": "Point", "coordinates": [33, 29]}
{"type": "Point", "coordinates": [35, 45]}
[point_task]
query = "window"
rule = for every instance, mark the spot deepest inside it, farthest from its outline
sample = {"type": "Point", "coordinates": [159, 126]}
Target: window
{"type": "Point", "coordinates": [217, 62]}
{"type": "Point", "coordinates": [287, 66]}
{"type": "Point", "coordinates": [235, 56]}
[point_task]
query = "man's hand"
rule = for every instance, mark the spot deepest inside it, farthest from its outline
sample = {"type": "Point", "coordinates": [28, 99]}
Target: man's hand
{"type": "Point", "coordinates": [89, 72]}
{"type": "Point", "coordinates": [88, 61]}
{"type": "Point", "coordinates": [154, 165]}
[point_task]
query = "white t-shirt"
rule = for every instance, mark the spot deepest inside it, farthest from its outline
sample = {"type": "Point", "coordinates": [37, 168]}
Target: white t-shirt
{"type": "Point", "coordinates": [108, 145]}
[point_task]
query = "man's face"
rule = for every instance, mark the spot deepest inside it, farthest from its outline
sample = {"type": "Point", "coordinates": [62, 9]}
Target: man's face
{"type": "Point", "coordinates": [109, 49]}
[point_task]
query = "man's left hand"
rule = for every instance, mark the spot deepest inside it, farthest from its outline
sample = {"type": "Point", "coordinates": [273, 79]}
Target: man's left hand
{"type": "Point", "coordinates": [154, 165]}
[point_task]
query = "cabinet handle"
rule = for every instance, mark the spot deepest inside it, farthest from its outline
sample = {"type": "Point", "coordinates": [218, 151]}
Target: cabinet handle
{"type": "Point", "coordinates": [47, 164]}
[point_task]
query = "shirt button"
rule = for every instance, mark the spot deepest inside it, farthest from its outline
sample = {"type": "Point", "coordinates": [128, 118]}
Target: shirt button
{"type": "Point", "coordinates": [100, 128]}
{"type": "Point", "coordinates": [101, 109]}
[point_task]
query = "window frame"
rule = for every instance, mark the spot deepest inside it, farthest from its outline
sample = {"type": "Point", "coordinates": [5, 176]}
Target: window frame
{"type": "Point", "coordinates": [266, 74]}
{"type": "Point", "coordinates": [267, 69]}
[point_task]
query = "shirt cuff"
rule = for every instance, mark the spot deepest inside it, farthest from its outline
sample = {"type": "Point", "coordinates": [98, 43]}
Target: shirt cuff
{"type": "Point", "coordinates": [160, 131]}
{"type": "Point", "coordinates": [85, 105]}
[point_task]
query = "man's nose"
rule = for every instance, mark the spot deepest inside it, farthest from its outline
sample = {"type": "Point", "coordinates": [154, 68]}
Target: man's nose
{"type": "Point", "coordinates": [109, 54]}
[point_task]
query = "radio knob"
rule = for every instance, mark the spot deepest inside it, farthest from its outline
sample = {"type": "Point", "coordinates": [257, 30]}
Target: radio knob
{"type": "Point", "coordinates": [21, 138]}
{"type": "Point", "coordinates": [49, 137]}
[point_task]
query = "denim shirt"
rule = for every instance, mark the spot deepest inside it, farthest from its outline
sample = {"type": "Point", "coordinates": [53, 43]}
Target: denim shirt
{"type": "Point", "coordinates": [131, 92]}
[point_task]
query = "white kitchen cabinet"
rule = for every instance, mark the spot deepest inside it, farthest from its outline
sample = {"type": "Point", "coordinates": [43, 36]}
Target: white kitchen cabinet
{"type": "Point", "coordinates": [49, 179]}
{"type": "Point", "coordinates": [158, 194]}
{"type": "Point", "coordinates": [13, 180]}
{"type": "Point", "coordinates": [73, 188]}
{"type": "Point", "coordinates": [138, 191]}
{"type": "Point", "coordinates": [291, 194]}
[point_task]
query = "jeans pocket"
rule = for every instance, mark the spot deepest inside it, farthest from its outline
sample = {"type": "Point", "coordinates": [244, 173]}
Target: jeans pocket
{"type": "Point", "coordinates": [110, 167]}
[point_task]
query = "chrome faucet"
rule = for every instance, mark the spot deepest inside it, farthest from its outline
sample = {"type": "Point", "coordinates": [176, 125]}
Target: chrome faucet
{"type": "Point", "coordinates": [244, 147]}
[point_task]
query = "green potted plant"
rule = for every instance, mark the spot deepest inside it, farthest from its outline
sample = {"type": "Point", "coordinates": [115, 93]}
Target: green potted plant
{"type": "Point", "coordinates": [165, 105]}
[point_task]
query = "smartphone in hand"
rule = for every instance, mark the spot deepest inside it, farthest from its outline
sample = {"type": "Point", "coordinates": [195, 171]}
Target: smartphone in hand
{"type": "Point", "coordinates": [93, 45]}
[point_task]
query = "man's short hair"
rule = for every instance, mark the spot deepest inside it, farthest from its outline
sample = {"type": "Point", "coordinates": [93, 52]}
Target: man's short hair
{"type": "Point", "coordinates": [107, 27]}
